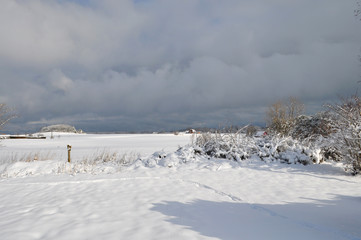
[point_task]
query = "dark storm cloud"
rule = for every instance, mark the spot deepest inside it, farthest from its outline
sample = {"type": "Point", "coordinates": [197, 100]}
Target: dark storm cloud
{"type": "Point", "coordinates": [157, 64]}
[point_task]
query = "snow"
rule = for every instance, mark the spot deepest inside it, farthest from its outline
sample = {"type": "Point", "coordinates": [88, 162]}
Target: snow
{"type": "Point", "coordinates": [167, 194]}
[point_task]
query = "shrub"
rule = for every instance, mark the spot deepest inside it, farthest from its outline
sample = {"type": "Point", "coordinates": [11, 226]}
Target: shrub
{"type": "Point", "coordinates": [281, 115]}
{"type": "Point", "coordinates": [251, 131]}
{"type": "Point", "coordinates": [348, 124]}
{"type": "Point", "coordinates": [321, 124]}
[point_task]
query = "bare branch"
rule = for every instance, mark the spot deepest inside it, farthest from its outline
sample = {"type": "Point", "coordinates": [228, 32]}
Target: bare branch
{"type": "Point", "coordinates": [282, 114]}
{"type": "Point", "coordinates": [6, 114]}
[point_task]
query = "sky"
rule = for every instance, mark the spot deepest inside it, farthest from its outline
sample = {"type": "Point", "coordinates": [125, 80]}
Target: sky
{"type": "Point", "coordinates": [160, 65]}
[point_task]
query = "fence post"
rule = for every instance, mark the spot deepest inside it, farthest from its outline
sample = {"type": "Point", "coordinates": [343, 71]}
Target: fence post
{"type": "Point", "coordinates": [69, 149]}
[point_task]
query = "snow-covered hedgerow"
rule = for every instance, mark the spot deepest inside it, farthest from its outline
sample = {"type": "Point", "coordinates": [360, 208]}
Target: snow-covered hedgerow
{"type": "Point", "coordinates": [240, 147]}
{"type": "Point", "coordinates": [234, 148]}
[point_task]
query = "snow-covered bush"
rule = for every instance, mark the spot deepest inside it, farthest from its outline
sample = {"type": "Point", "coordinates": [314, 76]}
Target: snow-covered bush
{"type": "Point", "coordinates": [287, 150]}
{"type": "Point", "coordinates": [232, 146]}
{"type": "Point", "coordinates": [320, 124]}
{"type": "Point", "coordinates": [241, 147]}
{"type": "Point", "coordinates": [318, 132]}
{"type": "Point", "coordinates": [348, 135]}
{"type": "Point", "coordinates": [336, 133]}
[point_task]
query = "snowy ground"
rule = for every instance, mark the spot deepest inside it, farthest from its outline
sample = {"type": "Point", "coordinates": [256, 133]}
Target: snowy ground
{"type": "Point", "coordinates": [204, 199]}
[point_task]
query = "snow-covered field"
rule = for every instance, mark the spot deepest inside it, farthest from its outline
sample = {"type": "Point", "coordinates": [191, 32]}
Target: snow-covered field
{"type": "Point", "coordinates": [177, 197]}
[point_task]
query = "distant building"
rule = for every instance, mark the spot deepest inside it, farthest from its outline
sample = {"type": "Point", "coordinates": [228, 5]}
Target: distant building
{"type": "Point", "coordinates": [191, 131]}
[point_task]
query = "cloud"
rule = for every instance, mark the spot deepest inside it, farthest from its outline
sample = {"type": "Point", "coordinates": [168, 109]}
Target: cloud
{"type": "Point", "coordinates": [168, 64]}
{"type": "Point", "coordinates": [59, 81]}
{"type": "Point", "coordinates": [47, 33]}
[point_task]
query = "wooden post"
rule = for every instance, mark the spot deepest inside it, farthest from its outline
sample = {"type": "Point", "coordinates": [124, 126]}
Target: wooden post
{"type": "Point", "coordinates": [69, 149]}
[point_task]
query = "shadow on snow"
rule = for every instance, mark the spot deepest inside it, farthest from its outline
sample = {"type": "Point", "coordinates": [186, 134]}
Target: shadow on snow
{"type": "Point", "coordinates": [329, 219]}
